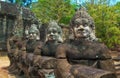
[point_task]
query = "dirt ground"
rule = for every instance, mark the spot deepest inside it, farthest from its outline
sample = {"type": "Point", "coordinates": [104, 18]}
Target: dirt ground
{"type": "Point", "coordinates": [4, 63]}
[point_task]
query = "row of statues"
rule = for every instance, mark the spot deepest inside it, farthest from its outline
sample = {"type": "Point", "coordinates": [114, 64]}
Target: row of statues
{"type": "Point", "coordinates": [80, 56]}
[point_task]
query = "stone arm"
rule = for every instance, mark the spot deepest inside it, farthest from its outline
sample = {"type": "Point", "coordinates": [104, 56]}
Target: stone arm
{"type": "Point", "coordinates": [36, 58]}
{"type": "Point", "coordinates": [42, 65]}
{"type": "Point", "coordinates": [37, 54]}
{"type": "Point", "coordinates": [61, 51]}
{"type": "Point", "coordinates": [81, 71]}
{"type": "Point", "coordinates": [31, 58]}
{"type": "Point", "coordinates": [8, 45]}
{"type": "Point", "coordinates": [66, 70]}
{"type": "Point", "coordinates": [106, 64]}
{"type": "Point", "coordinates": [38, 47]}
{"type": "Point", "coordinates": [42, 61]}
{"type": "Point", "coordinates": [11, 42]}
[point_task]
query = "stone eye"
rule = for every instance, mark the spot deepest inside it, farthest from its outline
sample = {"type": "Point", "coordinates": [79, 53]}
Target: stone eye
{"type": "Point", "coordinates": [54, 31]}
{"type": "Point", "coordinates": [77, 25]}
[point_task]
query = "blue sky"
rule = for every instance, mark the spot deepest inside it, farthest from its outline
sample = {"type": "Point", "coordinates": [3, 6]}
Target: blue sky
{"type": "Point", "coordinates": [79, 1]}
{"type": "Point", "coordinates": [14, 0]}
{"type": "Point", "coordinates": [76, 1]}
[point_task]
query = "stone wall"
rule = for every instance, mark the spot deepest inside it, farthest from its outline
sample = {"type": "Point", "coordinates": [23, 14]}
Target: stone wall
{"type": "Point", "coordinates": [10, 14]}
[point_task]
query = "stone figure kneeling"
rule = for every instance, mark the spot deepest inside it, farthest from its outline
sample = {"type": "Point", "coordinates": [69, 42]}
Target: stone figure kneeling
{"type": "Point", "coordinates": [83, 50]}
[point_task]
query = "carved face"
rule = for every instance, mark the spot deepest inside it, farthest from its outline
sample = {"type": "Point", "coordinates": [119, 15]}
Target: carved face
{"type": "Point", "coordinates": [81, 28]}
{"type": "Point", "coordinates": [52, 34]}
{"type": "Point", "coordinates": [33, 33]}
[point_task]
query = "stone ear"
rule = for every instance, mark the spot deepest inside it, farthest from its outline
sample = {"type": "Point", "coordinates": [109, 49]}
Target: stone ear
{"type": "Point", "coordinates": [60, 39]}
{"type": "Point", "coordinates": [71, 36]}
{"type": "Point", "coordinates": [46, 39]}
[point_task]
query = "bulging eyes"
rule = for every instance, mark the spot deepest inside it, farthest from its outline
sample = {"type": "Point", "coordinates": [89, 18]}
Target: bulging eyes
{"type": "Point", "coordinates": [77, 25]}
{"type": "Point", "coordinates": [34, 34]}
{"type": "Point", "coordinates": [85, 25]}
{"type": "Point", "coordinates": [52, 31]}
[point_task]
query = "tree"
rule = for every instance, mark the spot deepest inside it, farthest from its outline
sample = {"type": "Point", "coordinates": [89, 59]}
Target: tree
{"type": "Point", "coordinates": [59, 10]}
{"type": "Point", "coordinates": [118, 11]}
{"type": "Point", "coordinates": [106, 21]}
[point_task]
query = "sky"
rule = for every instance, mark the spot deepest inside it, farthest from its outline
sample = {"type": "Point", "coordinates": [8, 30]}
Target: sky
{"type": "Point", "coordinates": [75, 1]}
{"type": "Point", "coordinates": [14, 0]}
{"type": "Point", "coordinates": [79, 1]}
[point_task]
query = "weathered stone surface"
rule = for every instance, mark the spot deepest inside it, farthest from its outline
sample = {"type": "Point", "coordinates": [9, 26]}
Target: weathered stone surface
{"type": "Point", "coordinates": [14, 10]}
{"type": "Point", "coordinates": [80, 71]}
{"type": "Point", "coordinates": [64, 69]}
{"type": "Point", "coordinates": [48, 62]}
{"type": "Point", "coordinates": [83, 49]}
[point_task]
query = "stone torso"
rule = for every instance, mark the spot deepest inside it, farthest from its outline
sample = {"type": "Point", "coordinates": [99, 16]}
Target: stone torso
{"type": "Point", "coordinates": [87, 49]}
{"type": "Point", "coordinates": [86, 52]}
{"type": "Point", "coordinates": [49, 49]}
{"type": "Point", "coordinates": [31, 45]}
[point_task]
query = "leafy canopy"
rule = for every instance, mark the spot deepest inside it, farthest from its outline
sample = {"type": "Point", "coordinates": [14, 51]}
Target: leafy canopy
{"type": "Point", "coordinates": [59, 10]}
{"type": "Point", "coordinates": [106, 21]}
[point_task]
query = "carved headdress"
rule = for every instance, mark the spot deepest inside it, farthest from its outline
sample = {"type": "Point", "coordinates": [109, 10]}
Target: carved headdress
{"type": "Point", "coordinates": [83, 18]}
{"type": "Point", "coordinates": [53, 24]}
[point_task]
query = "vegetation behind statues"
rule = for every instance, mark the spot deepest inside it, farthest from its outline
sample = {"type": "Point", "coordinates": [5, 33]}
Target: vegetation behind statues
{"type": "Point", "coordinates": [106, 16]}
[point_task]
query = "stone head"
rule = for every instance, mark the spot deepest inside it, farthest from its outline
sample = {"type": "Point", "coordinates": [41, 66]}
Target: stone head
{"type": "Point", "coordinates": [54, 32]}
{"type": "Point", "coordinates": [34, 32]}
{"type": "Point", "coordinates": [82, 25]}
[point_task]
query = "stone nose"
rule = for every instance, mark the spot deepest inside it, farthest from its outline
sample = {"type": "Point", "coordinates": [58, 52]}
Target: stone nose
{"type": "Point", "coordinates": [31, 34]}
{"type": "Point", "coordinates": [51, 33]}
{"type": "Point", "coordinates": [81, 28]}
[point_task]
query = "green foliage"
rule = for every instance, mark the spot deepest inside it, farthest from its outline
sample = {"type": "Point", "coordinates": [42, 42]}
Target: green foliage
{"type": "Point", "coordinates": [113, 36]}
{"type": "Point", "coordinates": [59, 10]}
{"type": "Point", "coordinates": [106, 17]}
{"type": "Point", "coordinates": [118, 11]}
{"type": "Point", "coordinates": [19, 2]}
{"type": "Point", "coordinates": [106, 21]}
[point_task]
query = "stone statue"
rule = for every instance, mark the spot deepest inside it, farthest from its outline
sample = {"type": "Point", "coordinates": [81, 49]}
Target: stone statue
{"type": "Point", "coordinates": [43, 66]}
{"type": "Point", "coordinates": [82, 20]}
{"type": "Point", "coordinates": [53, 38]}
{"type": "Point", "coordinates": [82, 48]}
{"type": "Point", "coordinates": [28, 47]}
{"type": "Point", "coordinates": [13, 49]}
